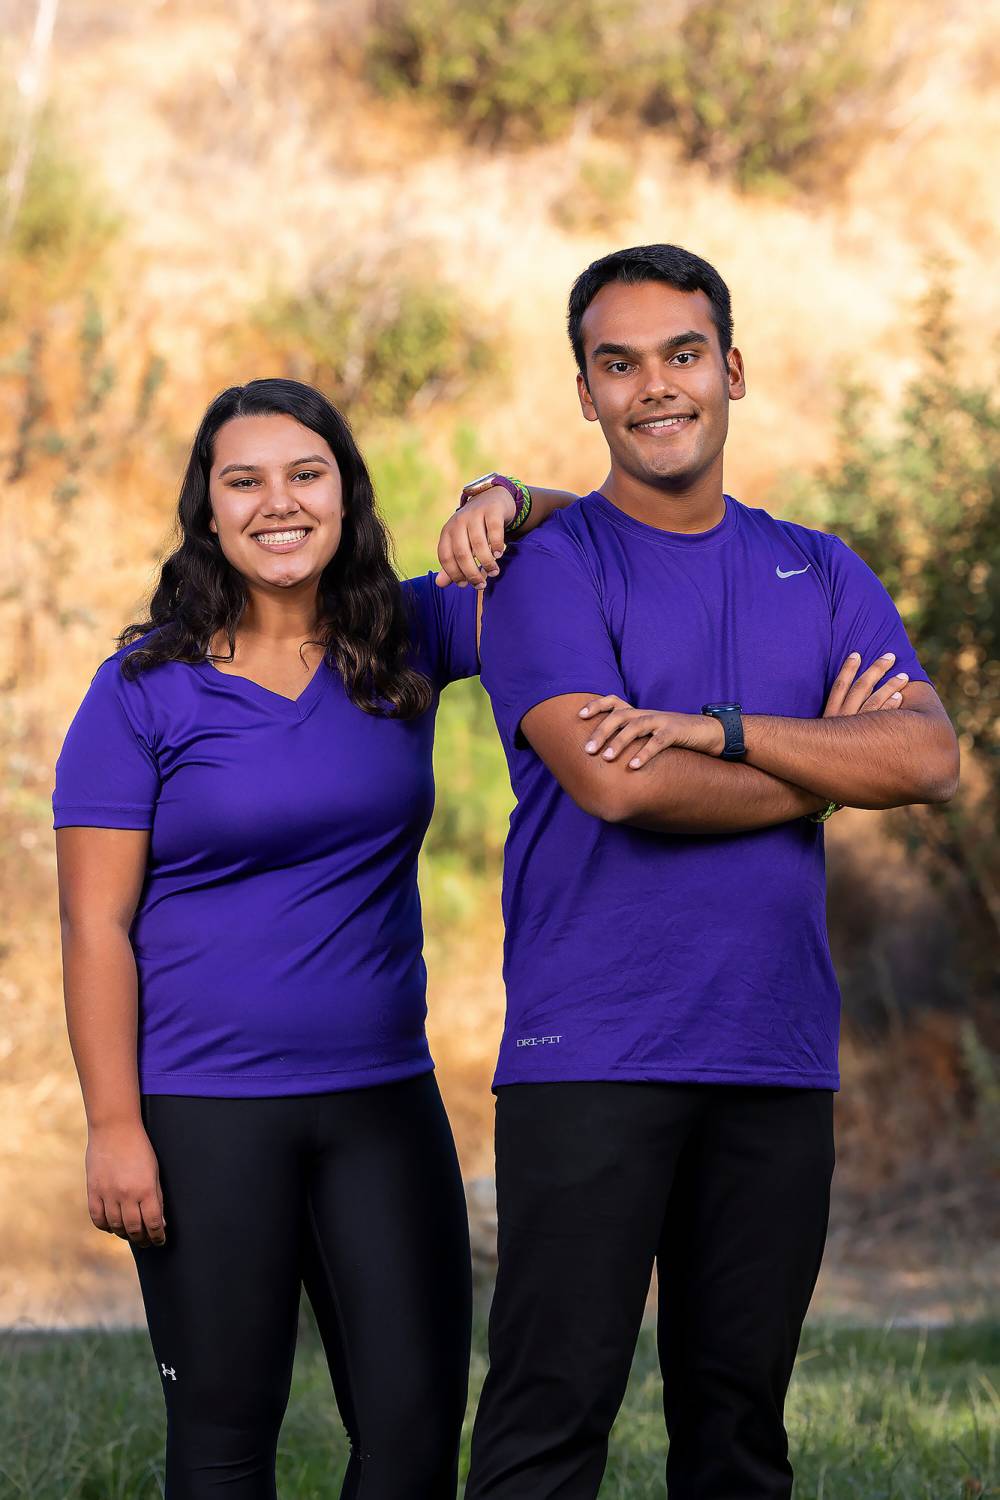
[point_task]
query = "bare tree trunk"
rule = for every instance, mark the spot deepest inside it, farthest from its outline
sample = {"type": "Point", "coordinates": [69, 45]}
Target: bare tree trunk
{"type": "Point", "coordinates": [30, 81]}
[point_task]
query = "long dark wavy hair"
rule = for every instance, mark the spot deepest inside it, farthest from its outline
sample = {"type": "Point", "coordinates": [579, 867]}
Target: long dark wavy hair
{"type": "Point", "coordinates": [365, 627]}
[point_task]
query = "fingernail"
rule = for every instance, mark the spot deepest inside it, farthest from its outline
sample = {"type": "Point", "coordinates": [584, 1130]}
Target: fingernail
{"type": "Point", "coordinates": [889, 656]}
{"type": "Point", "coordinates": [590, 747]}
{"type": "Point", "coordinates": [897, 695]}
{"type": "Point", "coordinates": [902, 677]}
{"type": "Point", "coordinates": [635, 763]}
{"type": "Point", "coordinates": [854, 656]}
{"type": "Point", "coordinates": [584, 712]}
{"type": "Point", "coordinates": [609, 754]}
{"type": "Point", "coordinates": [498, 552]}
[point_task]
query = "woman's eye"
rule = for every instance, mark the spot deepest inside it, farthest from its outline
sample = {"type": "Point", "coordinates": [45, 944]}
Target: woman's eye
{"type": "Point", "coordinates": [239, 483]}
{"type": "Point", "coordinates": [306, 473]}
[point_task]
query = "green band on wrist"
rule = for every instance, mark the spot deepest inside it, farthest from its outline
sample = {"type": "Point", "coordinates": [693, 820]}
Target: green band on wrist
{"type": "Point", "coordinates": [524, 511]}
{"type": "Point", "coordinates": [828, 812]}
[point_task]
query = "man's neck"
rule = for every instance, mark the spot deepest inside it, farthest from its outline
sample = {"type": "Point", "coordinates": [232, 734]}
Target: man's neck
{"type": "Point", "coordinates": [689, 506]}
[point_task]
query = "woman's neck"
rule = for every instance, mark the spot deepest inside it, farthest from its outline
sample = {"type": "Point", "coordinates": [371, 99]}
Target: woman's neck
{"type": "Point", "coordinates": [271, 619]}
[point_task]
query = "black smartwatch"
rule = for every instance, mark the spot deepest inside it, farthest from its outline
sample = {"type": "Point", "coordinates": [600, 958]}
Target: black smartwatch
{"type": "Point", "coordinates": [730, 716]}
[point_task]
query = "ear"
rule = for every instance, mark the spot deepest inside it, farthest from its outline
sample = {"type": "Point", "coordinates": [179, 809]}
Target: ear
{"type": "Point", "coordinates": [736, 375]}
{"type": "Point", "coordinates": [212, 526]}
{"type": "Point", "coordinates": [586, 399]}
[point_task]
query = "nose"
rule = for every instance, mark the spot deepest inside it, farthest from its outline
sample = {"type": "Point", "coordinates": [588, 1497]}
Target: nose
{"type": "Point", "coordinates": [281, 502]}
{"type": "Point", "coordinates": [659, 385]}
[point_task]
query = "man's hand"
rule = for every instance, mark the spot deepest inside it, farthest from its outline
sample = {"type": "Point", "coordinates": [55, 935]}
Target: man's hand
{"type": "Point", "coordinates": [624, 726]}
{"type": "Point", "coordinates": [472, 540]}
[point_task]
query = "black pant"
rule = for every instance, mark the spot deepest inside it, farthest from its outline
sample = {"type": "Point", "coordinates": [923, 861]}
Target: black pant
{"type": "Point", "coordinates": [727, 1189]}
{"type": "Point", "coordinates": [358, 1195]}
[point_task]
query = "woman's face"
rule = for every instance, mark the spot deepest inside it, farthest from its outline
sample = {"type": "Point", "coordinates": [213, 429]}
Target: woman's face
{"type": "Point", "coordinates": [277, 502]}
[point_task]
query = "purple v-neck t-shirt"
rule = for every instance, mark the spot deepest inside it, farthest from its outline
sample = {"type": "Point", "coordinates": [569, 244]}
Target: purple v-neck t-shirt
{"type": "Point", "coordinates": [278, 934]}
{"type": "Point", "coordinates": [650, 956]}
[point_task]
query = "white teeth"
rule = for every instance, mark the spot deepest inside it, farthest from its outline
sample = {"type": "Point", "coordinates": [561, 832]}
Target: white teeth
{"type": "Point", "coordinates": [272, 538]}
{"type": "Point", "coordinates": [666, 422]}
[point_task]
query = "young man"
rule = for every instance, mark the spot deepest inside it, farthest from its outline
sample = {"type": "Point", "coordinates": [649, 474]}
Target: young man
{"type": "Point", "coordinates": [658, 660]}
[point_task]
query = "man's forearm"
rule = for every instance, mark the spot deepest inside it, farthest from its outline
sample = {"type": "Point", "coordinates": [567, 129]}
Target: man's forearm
{"type": "Point", "coordinates": [868, 760]}
{"type": "Point", "coordinates": [682, 791]}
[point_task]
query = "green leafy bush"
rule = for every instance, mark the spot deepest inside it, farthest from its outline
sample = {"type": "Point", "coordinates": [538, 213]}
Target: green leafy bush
{"type": "Point", "coordinates": [63, 218]}
{"type": "Point", "coordinates": [379, 343]}
{"type": "Point", "coordinates": [922, 506]}
{"type": "Point", "coordinates": [512, 70]}
{"type": "Point", "coordinates": [757, 90]}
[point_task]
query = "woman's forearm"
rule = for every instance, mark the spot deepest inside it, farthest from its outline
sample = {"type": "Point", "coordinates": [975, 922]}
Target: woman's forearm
{"type": "Point", "coordinates": [99, 978]}
{"type": "Point", "coordinates": [543, 504]}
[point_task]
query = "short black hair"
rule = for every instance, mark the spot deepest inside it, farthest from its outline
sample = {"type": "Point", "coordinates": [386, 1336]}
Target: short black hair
{"type": "Point", "coordinates": [666, 263]}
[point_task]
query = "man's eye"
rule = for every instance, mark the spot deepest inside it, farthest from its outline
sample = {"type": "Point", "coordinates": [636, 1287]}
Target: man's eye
{"type": "Point", "coordinates": [686, 354]}
{"type": "Point", "coordinates": [619, 364]}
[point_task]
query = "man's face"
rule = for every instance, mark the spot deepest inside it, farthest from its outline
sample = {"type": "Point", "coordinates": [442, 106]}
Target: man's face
{"type": "Point", "coordinates": [657, 380]}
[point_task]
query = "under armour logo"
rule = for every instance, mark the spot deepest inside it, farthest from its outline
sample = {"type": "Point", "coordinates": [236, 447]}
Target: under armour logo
{"type": "Point", "coordinates": [166, 1372]}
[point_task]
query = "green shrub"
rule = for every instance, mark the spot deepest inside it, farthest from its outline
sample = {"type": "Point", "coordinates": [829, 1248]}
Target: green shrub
{"type": "Point", "coordinates": [379, 343]}
{"type": "Point", "coordinates": [922, 507]}
{"type": "Point", "coordinates": [512, 70]}
{"type": "Point", "coordinates": [63, 217]}
{"type": "Point", "coordinates": [757, 90]}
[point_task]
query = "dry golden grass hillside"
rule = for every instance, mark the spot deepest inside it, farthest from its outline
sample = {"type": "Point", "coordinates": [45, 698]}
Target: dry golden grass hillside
{"type": "Point", "coordinates": [242, 155]}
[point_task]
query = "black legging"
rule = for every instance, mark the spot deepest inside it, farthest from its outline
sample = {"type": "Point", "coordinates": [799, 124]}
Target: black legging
{"type": "Point", "coordinates": [356, 1195]}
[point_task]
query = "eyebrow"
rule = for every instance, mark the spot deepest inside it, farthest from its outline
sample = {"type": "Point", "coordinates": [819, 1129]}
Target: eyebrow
{"type": "Point", "coordinates": [310, 458]}
{"type": "Point", "coordinates": [628, 352]}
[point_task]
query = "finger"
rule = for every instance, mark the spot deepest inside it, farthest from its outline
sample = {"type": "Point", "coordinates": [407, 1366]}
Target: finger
{"type": "Point", "coordinates": [495, 519]}
{"type": "Point", "coordinates": [154, 1224]}
{"type": "Point", "coordinates": [637, 728]}
{"type": "Point", "coordinates": [116, 1224]}
{"type": "Point", "coordinates": [602, 705]}
{"type": "Point", "coordinates": [446, 555]}
{"type": "Point", "coordinates": [862, 689]}
{"type": "Point", "coordinates": [98, 1217]}
{"type": "Point", "coordinates": [468, 567]}
{"type": "Point", "coordinates": [482, 546]}
{"type": "Point", "coordinates": [657, 741]}
{"type": "Point", "coordinates": [884, 694]}
{"type": "Point", "coordinates": [843, 680]}
{"type": "Point", "coordinates": [609, 725]}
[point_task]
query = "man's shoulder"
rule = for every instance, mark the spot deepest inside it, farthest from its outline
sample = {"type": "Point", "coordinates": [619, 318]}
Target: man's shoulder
{"type": "Point", "coordinates": [566, 536]}
{"type": "Point", "coordinates": [818, 544]}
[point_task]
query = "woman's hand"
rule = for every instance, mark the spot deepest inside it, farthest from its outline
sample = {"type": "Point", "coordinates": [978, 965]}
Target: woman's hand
{"type": "Point", "coordinates": [472, 540]}
{"type": "Point", "coordinates": [123, 1184]}
{"type": "Point", "coordinates": [624, 725]}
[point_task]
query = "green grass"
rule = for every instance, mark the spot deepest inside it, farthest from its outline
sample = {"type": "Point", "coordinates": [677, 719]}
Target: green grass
{"type": "Point", "coordinates": [872, 1415]}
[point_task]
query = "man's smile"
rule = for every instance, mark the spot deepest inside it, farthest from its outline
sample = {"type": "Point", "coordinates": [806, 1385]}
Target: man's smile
{"type": "Point", "coordinates": [664, 426]}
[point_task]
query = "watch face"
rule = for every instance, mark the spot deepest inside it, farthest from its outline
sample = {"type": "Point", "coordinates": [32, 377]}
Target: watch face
{"type": "Point", "coordinates": [720, 707]}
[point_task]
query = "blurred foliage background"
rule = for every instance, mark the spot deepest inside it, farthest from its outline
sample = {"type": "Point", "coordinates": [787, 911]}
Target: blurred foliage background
{"type": "Point", "coordinates": [391, 200]}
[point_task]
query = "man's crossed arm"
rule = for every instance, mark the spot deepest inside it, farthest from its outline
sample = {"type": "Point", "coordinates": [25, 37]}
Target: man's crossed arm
{"type": "Point", "coordinates": [676, 783]}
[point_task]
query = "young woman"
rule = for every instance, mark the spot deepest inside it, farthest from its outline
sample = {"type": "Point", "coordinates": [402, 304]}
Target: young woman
{"type": "Point", "coordinates": [240, 802]}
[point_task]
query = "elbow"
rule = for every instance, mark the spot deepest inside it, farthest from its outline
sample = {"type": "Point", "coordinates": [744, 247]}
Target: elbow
{"type": "Point", "coordinates": [608, 799]}
{"type": "Point", "coordinates": [938, 778]}
{"type": "Point", "coordinates": [946, 785]}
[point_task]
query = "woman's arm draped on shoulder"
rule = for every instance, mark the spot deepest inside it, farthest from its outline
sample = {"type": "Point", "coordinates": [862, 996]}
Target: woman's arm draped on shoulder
{"type": "Point", "coordinates": [473, 539]}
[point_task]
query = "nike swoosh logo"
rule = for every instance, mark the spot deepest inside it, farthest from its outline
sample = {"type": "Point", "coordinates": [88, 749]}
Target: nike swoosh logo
{"type": "Point", "coordinates": [792, 571]}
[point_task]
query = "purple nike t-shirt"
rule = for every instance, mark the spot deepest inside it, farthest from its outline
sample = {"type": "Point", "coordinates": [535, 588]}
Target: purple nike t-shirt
{"type": "Point", "coordinates": [278, 935]}
{"type": "Point", "coordinates": [649, 956]}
